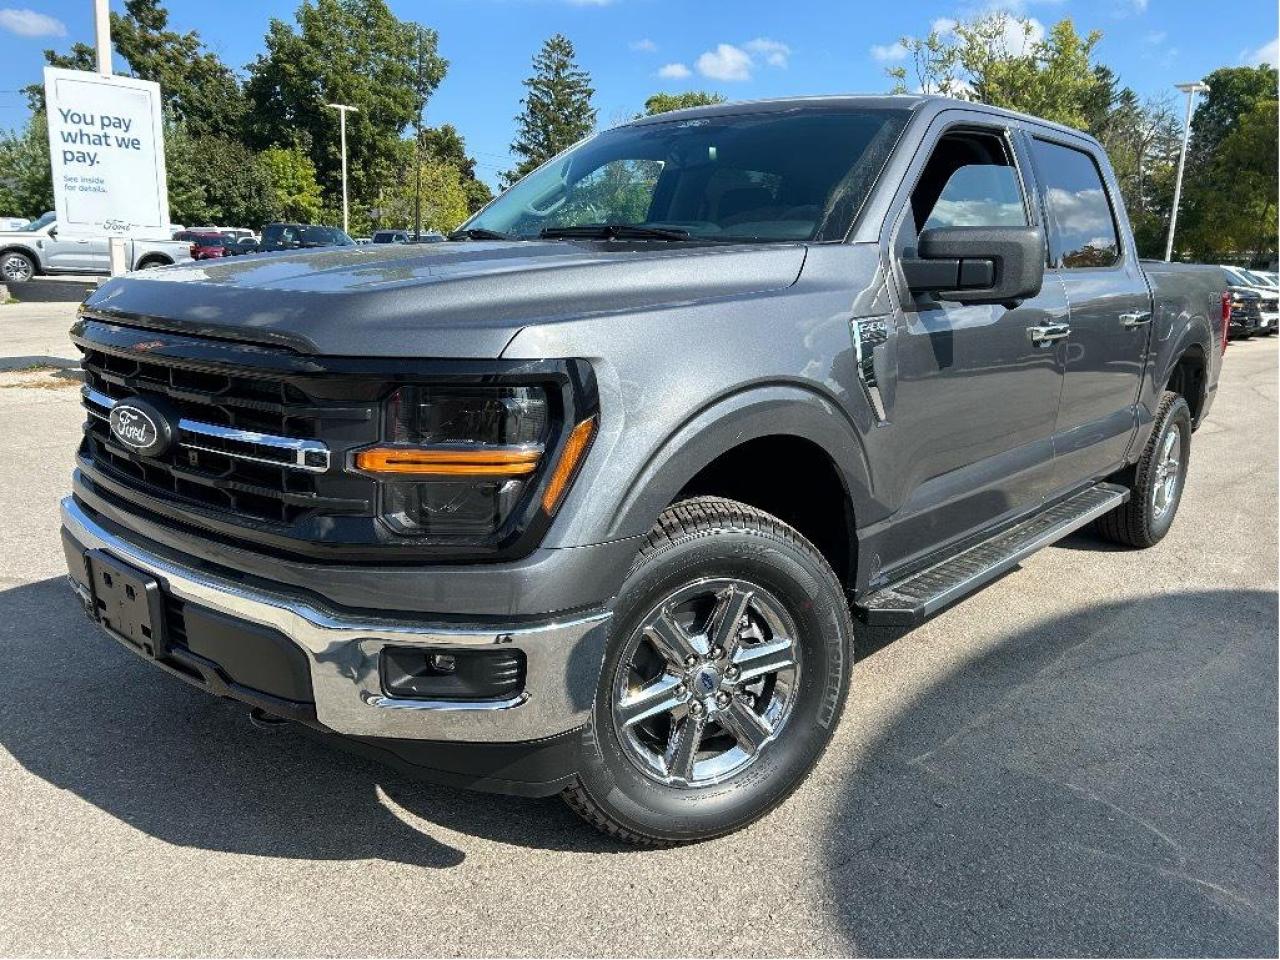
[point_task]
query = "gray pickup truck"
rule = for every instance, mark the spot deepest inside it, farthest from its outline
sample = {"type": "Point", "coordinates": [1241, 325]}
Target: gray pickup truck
{"type": "Point", "coordinates": [38, 249]}
{"type": "Point", "coordinates": [590, 499]}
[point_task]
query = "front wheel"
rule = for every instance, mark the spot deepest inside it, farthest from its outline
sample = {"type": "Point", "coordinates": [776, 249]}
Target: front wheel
{"type": "Point", "coordinates": [16, 267]}
{"type": "Point", "coordinates": [726, 672]}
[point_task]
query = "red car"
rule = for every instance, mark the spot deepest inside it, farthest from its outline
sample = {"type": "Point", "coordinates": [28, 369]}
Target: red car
{"type": "Point", "coordinates": [204, 246]}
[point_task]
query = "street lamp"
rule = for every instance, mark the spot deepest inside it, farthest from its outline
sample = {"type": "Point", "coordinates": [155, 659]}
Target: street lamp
{"type": "Point", "coordinates": [343, 109]}
{"type": "Point", "coordinates": [1190, 89]}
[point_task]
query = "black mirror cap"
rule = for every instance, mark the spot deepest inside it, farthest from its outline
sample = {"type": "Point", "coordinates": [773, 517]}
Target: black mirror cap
{"type": "Point", "coordinates": [976, 265]}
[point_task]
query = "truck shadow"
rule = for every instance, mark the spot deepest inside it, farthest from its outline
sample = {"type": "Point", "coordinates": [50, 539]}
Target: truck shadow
{"type": "Point", "coordinates": [86, 716]}
{"type": "Point", "coordinates": [1102, 783]}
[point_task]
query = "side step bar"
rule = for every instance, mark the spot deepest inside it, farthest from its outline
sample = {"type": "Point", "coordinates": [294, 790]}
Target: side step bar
{"type": "Point", "coordinates": [927, 591]}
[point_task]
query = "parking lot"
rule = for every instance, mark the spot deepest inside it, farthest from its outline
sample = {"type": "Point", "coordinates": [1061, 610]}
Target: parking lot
{"type": "Point", "coordinates": [1081, 759]}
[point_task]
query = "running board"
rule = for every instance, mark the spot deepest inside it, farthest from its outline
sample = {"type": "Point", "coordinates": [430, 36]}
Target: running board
{"type": "Point", "coordinates": [927, 591]}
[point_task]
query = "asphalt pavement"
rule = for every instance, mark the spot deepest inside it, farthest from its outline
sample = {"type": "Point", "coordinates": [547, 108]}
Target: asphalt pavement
{"type": "Point", "coordinates": [1081, 759]}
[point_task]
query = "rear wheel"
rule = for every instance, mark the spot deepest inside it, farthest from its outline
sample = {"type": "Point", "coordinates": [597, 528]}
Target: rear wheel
{"type": "Point", "coordinates": [1156, 481]}
{"type": "Point", "coordinates": [726, 673]}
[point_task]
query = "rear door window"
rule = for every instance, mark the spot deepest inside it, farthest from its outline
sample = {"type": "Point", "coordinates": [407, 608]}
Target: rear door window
{"type": "Point", "coordinates": [1082, 227]}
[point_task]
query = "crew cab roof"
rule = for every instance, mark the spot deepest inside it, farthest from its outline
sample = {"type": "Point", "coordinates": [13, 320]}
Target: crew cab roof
{"type": "Point", "coordinates": [912, 102]}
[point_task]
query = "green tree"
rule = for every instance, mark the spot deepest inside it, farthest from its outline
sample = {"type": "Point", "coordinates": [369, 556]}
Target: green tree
{"type": "Point", "coordinates": [995, 58]}
{"type": "Point", "coordinates": [444, 145]}
{"type": "Point", "coordinates": [26, 189]}
{"type": "Point", "coordinates": [557, 108]}
{"type": "Point", "coordinates": [343, 51]}
{"type": "Point", "coordinates": [666, 102]}
{"type": "Point", "coordinates": [293, 193]}
{"type": "Point", "coordinates": [197, 88]}
{"type": "Point", "coordinates": [1223, 191]}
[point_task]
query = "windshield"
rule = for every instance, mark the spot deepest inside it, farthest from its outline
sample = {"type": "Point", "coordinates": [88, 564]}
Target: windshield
{"type": "Point", "coordinates": [1238, 278]}
{"type": "Point", "coordinates": [789, 175]}
{"type": "Point", "coordinates": [40, 224]}
{"type": "Point", "coordinates": [1261, 279]}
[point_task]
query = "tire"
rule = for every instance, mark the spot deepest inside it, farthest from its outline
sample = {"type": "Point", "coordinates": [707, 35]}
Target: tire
{"type": "Point", "coordinates": [714, 577]}
{"type": "Point", "coordinates": [16, 267]}
{"type": "Point", "coordinates": [152, 264]}
{"type": "Point", "coordinates": [1154, 495]}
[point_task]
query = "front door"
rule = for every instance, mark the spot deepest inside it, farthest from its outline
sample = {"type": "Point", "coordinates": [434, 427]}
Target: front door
{"type": "Point", "coordinates": [975, 397]}
{"type": "Point", "coordinates": [75, 256]}
{"type": "Point", "coordinates": [1110, 308]}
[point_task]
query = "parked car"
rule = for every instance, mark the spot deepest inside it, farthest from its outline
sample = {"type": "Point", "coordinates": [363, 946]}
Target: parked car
{"type": "Point", "coordinates": [1255, 305]}
{"type": "Point", "coordinates": [587, 501]}
{"type": "Point", "coordinates": [298, 236]}
{"type": "Point", "coordinates": [205, 245]}
{"type": "Point", "coordinates": [242, 246]}
{"type": "Point", "coordinates": [37, 249]}
{"type": "Point", "coordinates": [391, 236]}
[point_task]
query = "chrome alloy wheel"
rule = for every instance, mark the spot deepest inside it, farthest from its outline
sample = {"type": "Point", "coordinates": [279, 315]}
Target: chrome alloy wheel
{"type": "Point", "coordinates": [15, 268]}
{"type": "Point", "coordinates": [706, 683]}
{"type": "Point", "coordinates": [1168, 468]}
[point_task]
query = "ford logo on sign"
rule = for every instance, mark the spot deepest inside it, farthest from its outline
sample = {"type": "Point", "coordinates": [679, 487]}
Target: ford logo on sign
{"type": "Point", "coordinates": [140, 427]}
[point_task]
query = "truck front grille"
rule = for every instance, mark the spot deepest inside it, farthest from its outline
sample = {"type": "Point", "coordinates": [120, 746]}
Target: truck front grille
{"type": "Point", "coordinates": [250, 447]}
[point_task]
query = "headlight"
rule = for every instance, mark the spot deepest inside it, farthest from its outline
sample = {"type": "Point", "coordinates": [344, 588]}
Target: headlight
{"type": "Point", "coordinates": [459, 461]}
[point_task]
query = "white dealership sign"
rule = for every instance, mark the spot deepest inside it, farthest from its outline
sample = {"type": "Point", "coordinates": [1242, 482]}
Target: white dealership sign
{"type": "Point", "coordinates": [106, 146]}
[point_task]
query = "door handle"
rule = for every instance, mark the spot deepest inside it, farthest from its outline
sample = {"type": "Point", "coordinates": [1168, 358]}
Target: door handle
{"type": "Point", "coordinates": [1049, 333]}
{"type": "Point", "coordinates": [1135, 319]}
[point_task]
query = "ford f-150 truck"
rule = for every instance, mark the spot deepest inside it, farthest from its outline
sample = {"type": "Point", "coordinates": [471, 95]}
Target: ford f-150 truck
{"type": "Point", "coordinates": [590, 499]}
{"type": "Point", "coordinates": [37, 248]}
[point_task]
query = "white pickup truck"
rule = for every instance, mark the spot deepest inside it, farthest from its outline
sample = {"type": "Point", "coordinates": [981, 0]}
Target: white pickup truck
{"type": "Point", "coordinates": [37, 248]}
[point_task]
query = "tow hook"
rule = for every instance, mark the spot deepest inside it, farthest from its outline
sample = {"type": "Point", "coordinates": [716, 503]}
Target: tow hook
{"type": "Point", "coordinates": [265, 721]}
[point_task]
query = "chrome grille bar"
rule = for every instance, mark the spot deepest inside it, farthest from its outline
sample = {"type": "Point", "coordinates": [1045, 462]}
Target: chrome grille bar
{"type": "Point", "coordinates": [309, 455]}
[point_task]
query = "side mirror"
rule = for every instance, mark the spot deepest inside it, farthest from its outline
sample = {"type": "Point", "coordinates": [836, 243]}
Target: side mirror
{"type": "Point", "coordinates": [978, 264]}
{"type": "Point", "coordinates": [53, 233]}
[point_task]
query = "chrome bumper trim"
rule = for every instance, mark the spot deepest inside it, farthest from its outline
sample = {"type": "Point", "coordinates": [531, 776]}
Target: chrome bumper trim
{"type": "Point", "coordinates": [563, 657]}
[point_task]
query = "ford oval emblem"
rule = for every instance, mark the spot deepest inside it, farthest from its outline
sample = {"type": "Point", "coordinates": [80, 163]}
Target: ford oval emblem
{"type": "Point", "coordinates": [140, 427]}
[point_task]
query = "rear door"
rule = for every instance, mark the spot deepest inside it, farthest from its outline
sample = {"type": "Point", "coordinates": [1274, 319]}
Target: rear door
{"type": "Point", "coordinates": [1091, 254]}
{"type": "Point", "coordinates": [975, 398]}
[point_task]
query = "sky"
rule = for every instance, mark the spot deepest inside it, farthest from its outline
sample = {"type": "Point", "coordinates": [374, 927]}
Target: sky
{"type": "Point", "coordinates": [745, 49]}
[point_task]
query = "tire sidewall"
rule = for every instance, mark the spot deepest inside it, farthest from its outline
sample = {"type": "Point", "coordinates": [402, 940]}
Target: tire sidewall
{"type": "Point", "coordinates": [31, 267]}
{"type": "Point", "coordinates": [1177, 417]}
{"type": "Point", "coordinates": [810, 593]}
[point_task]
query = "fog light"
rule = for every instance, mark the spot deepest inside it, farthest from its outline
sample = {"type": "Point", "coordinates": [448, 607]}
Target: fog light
{"type": "Point", "coordinates": [426, 673]}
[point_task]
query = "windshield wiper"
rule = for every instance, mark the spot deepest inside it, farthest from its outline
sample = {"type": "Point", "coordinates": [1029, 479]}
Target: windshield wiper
{"type": "Point", "coordinates": [480, 233]}
{"type": "Point", "coordinates": [613, 231]}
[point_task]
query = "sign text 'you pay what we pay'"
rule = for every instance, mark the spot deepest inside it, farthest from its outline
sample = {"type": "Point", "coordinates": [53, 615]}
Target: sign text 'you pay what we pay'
{"type": "Point", "coordinates": [94, 130]}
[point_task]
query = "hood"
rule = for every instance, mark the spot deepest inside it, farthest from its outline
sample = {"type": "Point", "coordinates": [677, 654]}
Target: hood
{"type": "Point", "coordinates": [461, 299]}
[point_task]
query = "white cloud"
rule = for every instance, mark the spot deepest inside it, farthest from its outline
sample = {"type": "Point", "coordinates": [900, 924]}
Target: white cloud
{"type": "Point", "coordinates": [590, 3]}
{"type": "Point", "coordinates": [674, 71]}
{"type": "Point", "coordinates": [888, 52]}
{"type": "Point", "coordinates": [1155, 38]}
{"type": "Point", "coordinates": [28, 23]}
{"type": "Point", "coordinates": [644, 46]}
{"type": "Point", "coordinates": [943, 26]}
{"type": "Point", "coordinates": [1140, 6]}
{"type": "Point", "coordinates": [726, 62]}
{"type": "Point", "coordinates": [775, 54]}
{"type": "Point", "coordinates": [1267, 53]}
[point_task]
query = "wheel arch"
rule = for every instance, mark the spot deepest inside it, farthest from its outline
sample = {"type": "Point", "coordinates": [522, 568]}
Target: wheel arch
{"type": "Point", "coordinates": [25, 251]}
{"type": "Point", "coordinates": [159, 259]}
{"type": "Point", "coordinates": [811, 446]}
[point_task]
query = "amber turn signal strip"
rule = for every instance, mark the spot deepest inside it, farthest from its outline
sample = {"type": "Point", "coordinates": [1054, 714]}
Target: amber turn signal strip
{"type": "Point", "coordinates": [448, 462]}
{"type": "Point", "coordinates": [574, 449]}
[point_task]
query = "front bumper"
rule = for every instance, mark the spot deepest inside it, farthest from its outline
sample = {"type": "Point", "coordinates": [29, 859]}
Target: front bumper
{"type": "Point", "coordinates": [342, 651]}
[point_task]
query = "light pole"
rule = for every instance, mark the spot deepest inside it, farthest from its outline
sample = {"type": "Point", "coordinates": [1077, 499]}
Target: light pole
{"type": "Point", "coordinates": [1190, 89]}
{"type": "Point", "coordinates": [102, 41]}
{"type": "Point", "coordinates": [343, 109]}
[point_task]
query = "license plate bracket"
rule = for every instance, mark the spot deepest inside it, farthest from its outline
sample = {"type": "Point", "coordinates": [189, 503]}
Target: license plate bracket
{"type": "Point", "coordinates": [128, 602]}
